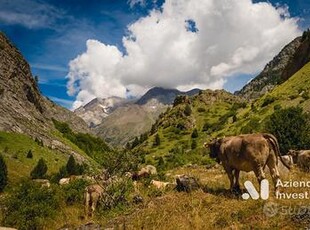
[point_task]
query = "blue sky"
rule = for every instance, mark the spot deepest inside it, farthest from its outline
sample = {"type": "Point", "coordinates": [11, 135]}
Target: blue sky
{"type": "Point", "coordinates": [51, 33]}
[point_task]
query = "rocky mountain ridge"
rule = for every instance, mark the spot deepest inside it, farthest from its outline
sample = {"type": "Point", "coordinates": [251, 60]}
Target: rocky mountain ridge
{"type": "Point", "coordinates": [22, 107]}
{"type": "Point", "coordinates": [291, 59]}
{"type": "Point", "coordinates": [118, 120]}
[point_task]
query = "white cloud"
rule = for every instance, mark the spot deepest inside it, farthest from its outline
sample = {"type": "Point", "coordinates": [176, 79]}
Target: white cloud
{"type": "Point", "coordinates": [233, 37]}
{"type": "Point", "coordinates": [29, 13]}
{"type": "Point", "coordinates": [133, 3]}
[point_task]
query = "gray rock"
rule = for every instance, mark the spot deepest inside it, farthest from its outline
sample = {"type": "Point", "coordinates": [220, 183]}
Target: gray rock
{"type": "Point", "coordinates": [187, 183]}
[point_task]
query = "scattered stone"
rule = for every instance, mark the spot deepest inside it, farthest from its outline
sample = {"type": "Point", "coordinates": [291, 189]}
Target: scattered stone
{"type": "Point", "coordinates": [137, 199]}
{"type": "Point", "coordinates": [187, 183]}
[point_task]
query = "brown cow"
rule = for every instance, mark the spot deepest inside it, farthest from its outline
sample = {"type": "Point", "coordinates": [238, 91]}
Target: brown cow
{"type": "Point", "coordinates": [301, 158]}
{"type": "Point", "coordinates": [92, 195]}
{"type": "Point", "coordinates": [249, 152]}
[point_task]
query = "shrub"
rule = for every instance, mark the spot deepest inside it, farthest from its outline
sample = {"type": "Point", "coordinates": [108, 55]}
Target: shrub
{"type": "Point", "coordinates": [291, 126]}
{"type": "Point", "coordinates": [156, 140]}
{"type": "Point", "coordinates": [116, 194]}
{"type": "Point", "coordinates": [74, 192]}
{"type": "Point", "coordinates": [39, 170]}
{"type": "Point", "coordinates": [194, 144]}
{"type": "Point", "coordinates": [187, 110]}
{"type": "Point", "coordinates": [30, 205]}
{"type": "Point", "coordinates": [252, 126]}
{"type": "Point", "coordinates": [268, 100]}
{"type": "Point", "coordinates": [201, 110]}
{"type": "Point", "coordinates": [3, 174]}
{"type": "Point", "coordinates": [71, 166]}
{"type": "Point", "coordinates": [277, 107]}
{"type": "Point", "coordinates": [194, 133]}
{"type": "Point", "coordinates": [29, 154]}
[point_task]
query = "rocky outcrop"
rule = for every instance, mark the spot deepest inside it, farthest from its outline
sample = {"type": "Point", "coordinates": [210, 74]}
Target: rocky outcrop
{"type": "Point", "coordinates": [22, 107]}
{"type": "Point", "coordinates": [273, 72]}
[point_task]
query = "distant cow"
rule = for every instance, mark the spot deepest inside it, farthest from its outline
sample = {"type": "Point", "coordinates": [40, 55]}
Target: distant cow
{"type": "Point", "coordinates": [64, 181]}
{"type": "Point", "coordinates": [160, 184]}
{"type": "Point", "coordinates": [144, 172]}
{"type": "Point", "coordinates": [249, 152]}
{"type": "Point", "coordinates": [43, 182]}
{"type": "Point", "coordinates": [92, 194]}
{"type": "Point", "coordinates": [301, 158]}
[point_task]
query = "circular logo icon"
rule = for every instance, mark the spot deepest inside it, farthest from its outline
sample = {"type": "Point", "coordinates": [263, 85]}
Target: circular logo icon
{"type": "Point", "coordinates": [270, 209]}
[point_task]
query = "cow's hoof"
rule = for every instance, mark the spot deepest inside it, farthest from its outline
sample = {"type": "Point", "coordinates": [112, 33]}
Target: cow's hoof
{"type": "Point", "coordinates": [236, 190]}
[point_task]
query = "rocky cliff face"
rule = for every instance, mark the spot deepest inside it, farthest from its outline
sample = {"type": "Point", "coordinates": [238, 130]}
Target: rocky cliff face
{"type": "Point", "coordinates": [273, 72]}
{"type": "Point", "coordinates": [22, 107]}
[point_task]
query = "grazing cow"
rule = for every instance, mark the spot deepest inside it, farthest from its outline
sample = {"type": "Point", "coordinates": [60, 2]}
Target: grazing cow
{"type": "Point", "coordinates": [92, 195]}
{"type": "Point", "coordinates": [159, 184]}
{"type": "Point", "coordinates": [301, 158]}
{"type": "Point", "coordinates": [144, 172]}
{"type": "Point", "coordinates": [249, 152]}
{"type": "Point", "coordinates": [43, 182]}
{"type": "Point", "coordinates": [64, 181]}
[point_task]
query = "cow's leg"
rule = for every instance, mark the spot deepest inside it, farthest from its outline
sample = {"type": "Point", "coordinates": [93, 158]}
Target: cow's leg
{"type": "Point", "coordinates": [230, 175]}
{"type": "Point", "coordinates": [95, 198]}
{"type": "Point", "coordinates": [86, 200]}
{"type": "Point", "coordinates": [259, 172]}
{"type": "Point", "coordinates": [274, 172]}
{"type": "Point", "coordinates": [236, 184]}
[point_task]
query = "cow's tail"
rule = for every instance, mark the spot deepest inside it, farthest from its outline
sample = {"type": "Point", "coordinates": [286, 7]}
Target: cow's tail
{"type": "Point", "coordinates": [275, 145]}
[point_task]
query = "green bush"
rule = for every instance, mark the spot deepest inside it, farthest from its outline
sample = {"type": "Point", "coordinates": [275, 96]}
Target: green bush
{"type": "Point", "coordinates": [277, 107]}
{"type": "Point", "coordinates": [188, 110]}
{"type": "Point", "coordinates": [116, 194]}
{"type": "Point", "coordinates": [268, 100]}
{"type": "Point", "coordinates": [291, 126]}
{"type": "Point", "coordinates": [156, 140]}
{"type": "Point", "coordinates": [29, 154]}
{"type": "Point", "coordinates": [252, 126]}
{"type": "Point", "coordinates": [30, 205]}
{"type": "Point", "coordinates": [194, 133]}
{"type": "Point", "coordinates": [3, 174]}
{"type": "Point", "coordinates": [74, 192]}
{"type": "Point", "coordinates": [201, 110]}
{"type": "Point", "coordinates": [39, 170]}
{"type": "Point", "coordinates": [71, 166]}
{"type": "Point", "coordinates": [194, 144]}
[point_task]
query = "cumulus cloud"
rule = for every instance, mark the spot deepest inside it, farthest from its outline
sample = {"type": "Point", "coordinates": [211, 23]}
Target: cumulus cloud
{"type": "Point", "coordinates": [185, 44]}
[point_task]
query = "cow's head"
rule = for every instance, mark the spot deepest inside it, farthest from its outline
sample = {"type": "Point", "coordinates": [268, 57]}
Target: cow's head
{"type": "Point", "coordinates": [214, 146]}
{"type": "Point", "coordinates": [294, 154]}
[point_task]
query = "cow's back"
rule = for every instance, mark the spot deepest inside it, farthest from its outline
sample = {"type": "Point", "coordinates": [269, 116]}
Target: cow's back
{"type": "Point", "coordinates": [241, 151]}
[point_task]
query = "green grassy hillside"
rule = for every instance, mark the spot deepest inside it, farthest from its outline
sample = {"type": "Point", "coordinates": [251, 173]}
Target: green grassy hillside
{"type": "Point", "coordinates": [15, 147]}
{"type": "Point", "coordinates": [218, 114]}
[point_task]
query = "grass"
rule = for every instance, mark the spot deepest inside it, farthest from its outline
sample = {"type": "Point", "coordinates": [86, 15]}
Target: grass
{"type": "Point", "coordinates": [14, 148]}
{"type": "Point", "coordinates": [212, 207]}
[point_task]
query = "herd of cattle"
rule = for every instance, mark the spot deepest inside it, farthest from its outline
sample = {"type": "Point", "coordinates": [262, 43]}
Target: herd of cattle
{"type": "Point", "coordinates": [249, 152]}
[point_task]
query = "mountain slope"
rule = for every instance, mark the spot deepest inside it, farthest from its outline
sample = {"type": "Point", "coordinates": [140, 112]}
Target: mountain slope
{"type": "Point", "coordinates": [118, 120]}
{"type": "Point", "coordinates": [27, 118]}
{"type": "Point", "coordinates": [217, 114]}
{"type": "Point", "coordinates": [22, 108]}
{"type": "Point", "coordinates": [97, 109]}
{"type": "Point", "coordinates": [274, 72]}
{"type": "Point", "coordinates": [129, 121]}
